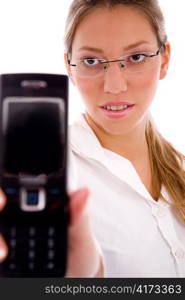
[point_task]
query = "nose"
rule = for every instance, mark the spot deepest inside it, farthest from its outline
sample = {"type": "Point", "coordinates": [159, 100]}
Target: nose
{"type": "Point", "coordinates": [115, 81]}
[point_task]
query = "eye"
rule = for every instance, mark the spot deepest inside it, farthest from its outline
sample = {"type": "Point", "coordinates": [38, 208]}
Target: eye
{"type": "Point", "coordinates": [137, 58]}
{"type": "Point", "coordinates": [90, 61]}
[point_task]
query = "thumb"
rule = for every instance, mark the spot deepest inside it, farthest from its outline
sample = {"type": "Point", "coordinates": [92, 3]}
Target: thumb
{"type": "Point", "coordinates": [2, 200]}
{"type": "Point", "coordinates": [78, 203]}
{"type": "Point", "coordinates": [3, 249]}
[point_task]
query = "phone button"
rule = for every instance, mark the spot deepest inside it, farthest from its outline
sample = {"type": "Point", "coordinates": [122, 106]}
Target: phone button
{"type": "Point", "coordinates": [51, 243]}
{"type": "Point", "coordinates": [31, 254]}
{"type": "Point", "coordinates": [12, 254]}
{"type": "Point", "coordinates": [32, 198]}
{"type": "Point", "coordinates": [31, 243]}
{"type": "Point", "coordinates": [50, 265]}
{"type": "Point", "coordinates": [51, 254]}
{"type": "Point", "coordinates": [13, 232]}
{"type": "Point", "coordinates": [12, 266]}
{"type": "Point", "coordinates": [31, 266]}
{"type": "Point", "coordinates": [12, 243]}
{"type": "Point", "coordinates": [10, 191]}
{"type": "Point", "coordinates": [54, 191]}
{"type": "Point", "coordinates": [51, 231]}
{"type": "Point", "coordinates": [32, 231]}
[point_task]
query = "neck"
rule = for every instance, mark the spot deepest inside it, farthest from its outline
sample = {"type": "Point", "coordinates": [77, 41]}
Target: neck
{"type": "Point", "coordinates": [132, 145]}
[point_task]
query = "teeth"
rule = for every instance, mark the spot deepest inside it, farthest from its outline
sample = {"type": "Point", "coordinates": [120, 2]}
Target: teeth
{"type": "Point", "coordinates": [114, 108]}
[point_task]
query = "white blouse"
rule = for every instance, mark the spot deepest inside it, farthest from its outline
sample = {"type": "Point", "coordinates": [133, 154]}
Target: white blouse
{"type": "Point", "coordinates": [138, 236]}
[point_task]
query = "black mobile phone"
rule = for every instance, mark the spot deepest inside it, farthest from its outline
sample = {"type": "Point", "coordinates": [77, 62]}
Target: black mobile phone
{"type": "Point", "coordinates": [33, 174]}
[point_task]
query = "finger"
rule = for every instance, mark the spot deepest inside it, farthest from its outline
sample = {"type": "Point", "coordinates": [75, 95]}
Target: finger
{"type": "Point", "coordinates": [84, 257]}
{"type": "Point", "coordinates": [3, 246]}
{"type": "Point", "coordinates": [78, 203]}
{"type": "Point", "coordinates": [3, 249]}
{"type": "Point", "coordinates": [2, 200]}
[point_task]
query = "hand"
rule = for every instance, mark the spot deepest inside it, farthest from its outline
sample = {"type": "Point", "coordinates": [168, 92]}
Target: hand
{"type": "Point", "coordinates": [84, 254]}
{"type": "Point", "coordinates": [3, 246]}
{"type": "Point", "coordinates": [84, 259]}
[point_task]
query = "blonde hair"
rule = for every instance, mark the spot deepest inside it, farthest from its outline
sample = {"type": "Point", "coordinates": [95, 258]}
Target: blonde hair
{"type": "Point", "coordinates": [167, 164]}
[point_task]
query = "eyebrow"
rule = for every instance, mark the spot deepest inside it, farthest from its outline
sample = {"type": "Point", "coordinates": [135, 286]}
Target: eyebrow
{"type": "Point", "coordinates": [131, 46]}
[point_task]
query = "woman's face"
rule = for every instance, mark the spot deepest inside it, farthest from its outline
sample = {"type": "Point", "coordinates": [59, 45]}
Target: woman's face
{"type": "Point", "coordinates": [113, 33]}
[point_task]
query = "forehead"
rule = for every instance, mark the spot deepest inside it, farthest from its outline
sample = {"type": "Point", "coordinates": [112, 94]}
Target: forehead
{"type": "Point", "coordinates": [113, 28]}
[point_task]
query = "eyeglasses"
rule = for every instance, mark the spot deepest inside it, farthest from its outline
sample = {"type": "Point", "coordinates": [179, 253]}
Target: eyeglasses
{"type": "Point", "coordinates": [133, 63]}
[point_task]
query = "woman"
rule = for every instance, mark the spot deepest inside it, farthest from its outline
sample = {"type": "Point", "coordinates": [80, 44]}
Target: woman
{"type": "Point", "coordinates": [116, 52]}
{"type": "Point", "coordinates": [136, 178]}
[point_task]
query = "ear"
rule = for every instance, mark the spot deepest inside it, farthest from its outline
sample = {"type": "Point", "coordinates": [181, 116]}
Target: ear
{"type": "Point", "coordinates": [66, 59]}
{"type": "Point", "coordinates": [165, 60]}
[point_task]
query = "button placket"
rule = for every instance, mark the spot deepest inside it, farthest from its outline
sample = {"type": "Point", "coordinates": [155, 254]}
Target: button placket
{"type": "Point", "coordinates": [179, 253]}
{"type": "Point", "coordinates": [166, 227]}
{"type": "Point", "coordinates": [161, 212]}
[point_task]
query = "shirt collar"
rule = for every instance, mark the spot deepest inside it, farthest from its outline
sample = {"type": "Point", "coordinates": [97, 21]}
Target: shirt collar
{"type": "Point", "coordinates": [83, 141]}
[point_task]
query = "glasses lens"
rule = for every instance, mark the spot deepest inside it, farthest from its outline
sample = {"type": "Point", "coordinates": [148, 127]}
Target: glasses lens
{"type": "Point", "coordinates": [139, 63]}
{"type": "Point", "coordinates": [89, 68]}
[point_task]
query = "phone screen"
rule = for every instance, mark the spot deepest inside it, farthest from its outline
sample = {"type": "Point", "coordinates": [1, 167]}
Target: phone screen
{"type": "Point", "coordinates": [33, 132]}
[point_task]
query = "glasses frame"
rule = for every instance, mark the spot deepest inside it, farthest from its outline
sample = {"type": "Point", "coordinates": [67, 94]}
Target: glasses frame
{"type": "Point", "coordinates": [102, 61]}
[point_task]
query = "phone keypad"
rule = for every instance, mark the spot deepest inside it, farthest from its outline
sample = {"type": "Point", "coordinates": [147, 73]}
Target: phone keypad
{"type": "Point", "coordinates": [33, 251]}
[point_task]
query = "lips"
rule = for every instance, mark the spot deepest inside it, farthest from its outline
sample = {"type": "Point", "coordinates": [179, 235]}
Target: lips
{"type": "Point", "coordinates": [116, 104]}
{"type": "Point", "coordinates": [116, 110]}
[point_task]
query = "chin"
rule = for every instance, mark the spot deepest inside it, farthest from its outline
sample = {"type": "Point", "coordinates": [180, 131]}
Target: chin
{"type": "Point", "coordinates": [115, 129]}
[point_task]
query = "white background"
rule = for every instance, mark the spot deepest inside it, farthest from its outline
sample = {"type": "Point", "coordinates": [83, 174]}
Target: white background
{"type": "Point", "coordinates": [31, 40]}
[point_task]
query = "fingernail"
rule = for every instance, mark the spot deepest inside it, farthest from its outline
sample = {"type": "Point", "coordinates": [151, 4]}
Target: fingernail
{"type": "Point", "coordinates": [1, 197]}
{"type": "Point", "coordinates": [2, 253]}
{"type": "Point", "coordinates": [1, 202]}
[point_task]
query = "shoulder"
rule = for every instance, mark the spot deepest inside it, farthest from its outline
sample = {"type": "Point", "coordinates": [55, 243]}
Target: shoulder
{"type": "Point", "coordinates": [79, 133]}
{"type": "Point", "coordinates": [79, 142]}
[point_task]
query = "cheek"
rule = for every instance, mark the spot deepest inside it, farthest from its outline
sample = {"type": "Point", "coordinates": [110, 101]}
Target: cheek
{"type": "Point", "coordinates": [145, 87]}
{"type": "Point", "coordinates": [88, 90]}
